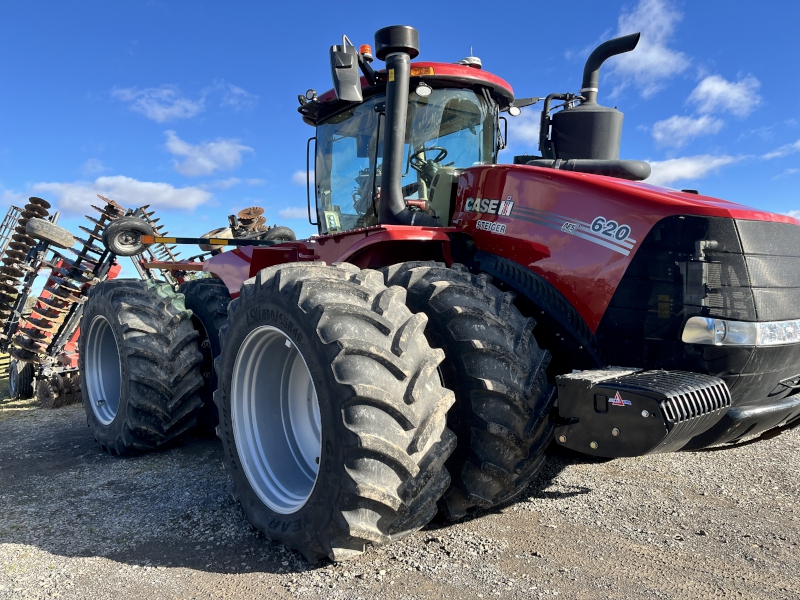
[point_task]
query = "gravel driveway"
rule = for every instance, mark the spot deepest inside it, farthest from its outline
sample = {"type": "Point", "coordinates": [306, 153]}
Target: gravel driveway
{"type": "Point", "coordinates": [78, 523]}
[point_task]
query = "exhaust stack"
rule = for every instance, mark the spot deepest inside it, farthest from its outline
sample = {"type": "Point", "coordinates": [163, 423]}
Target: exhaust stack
{"type": "Point", "coordinates": [591, 71]}
{"type": "Point", "coordinates": [396, 45]}
{"type": "Point", "coordinates": [589, 130]}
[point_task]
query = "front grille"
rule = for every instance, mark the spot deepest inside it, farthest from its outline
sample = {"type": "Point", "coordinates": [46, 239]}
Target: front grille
{"type": "Point", "coordinates": [712, 267]}
{"type": "Point", "coordinates": [693, 411]}
{"type": "Point", "coordinates": [692, 403]}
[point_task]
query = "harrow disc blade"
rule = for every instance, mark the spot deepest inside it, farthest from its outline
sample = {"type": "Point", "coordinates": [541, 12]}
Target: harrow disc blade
{"type": "Point", "coordinates": [41, 324]}
{"type": "Point", "coordinates": [11, 271]}
{"type": "Point", "coordinates": [28, 344]}
{"type": "Point", "coordinates": [55, 303]}
{"type": "Point", "coordinates": [24, 239]}
{"type": "Point", "coordinates": [67, 284]}
{"type": "Point", "coordinates": [251, 213]}
{"type": "Point", "coordinates": [16, 254]}
{"type": "Point", "coordinates": [31, 210]}
{"type": "Point", "coordinates": [62, 294]}
{"type": "Point", "coordinates": [39, 202]}
{"type": "Point", "coordinates": [24, 355]}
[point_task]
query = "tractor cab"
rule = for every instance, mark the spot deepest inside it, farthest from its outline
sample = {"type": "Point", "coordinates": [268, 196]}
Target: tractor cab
{"type": "Point", "coordinates": [399, 137]}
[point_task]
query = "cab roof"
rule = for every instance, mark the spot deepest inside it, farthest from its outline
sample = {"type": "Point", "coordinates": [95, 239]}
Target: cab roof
{"type": "Point", "coordinates": [435, 74]}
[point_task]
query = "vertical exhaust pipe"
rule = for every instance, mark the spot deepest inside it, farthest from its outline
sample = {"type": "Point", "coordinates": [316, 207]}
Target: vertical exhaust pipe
{"type": "Point", "coordinates": [589, 131]}
{"type": "Point", "coordinates": [396, 45]}
{"type": "Point", "coordinates": [591, 71]}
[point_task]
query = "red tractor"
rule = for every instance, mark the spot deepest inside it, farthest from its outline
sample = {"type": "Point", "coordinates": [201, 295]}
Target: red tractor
{"type": "Point", "coordinates": [454, 315]}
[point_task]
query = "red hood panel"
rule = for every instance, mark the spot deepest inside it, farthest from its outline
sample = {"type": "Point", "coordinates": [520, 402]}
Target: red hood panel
{"type": "Point", "coordinates": [576, 230]}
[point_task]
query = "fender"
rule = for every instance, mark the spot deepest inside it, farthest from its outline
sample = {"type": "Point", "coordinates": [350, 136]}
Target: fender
{"type": "Point", "coordinates": [562, 330]}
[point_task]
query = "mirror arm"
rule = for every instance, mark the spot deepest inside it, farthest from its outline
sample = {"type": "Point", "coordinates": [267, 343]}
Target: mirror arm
{"type": "Point", "coordinates": [367, 70]}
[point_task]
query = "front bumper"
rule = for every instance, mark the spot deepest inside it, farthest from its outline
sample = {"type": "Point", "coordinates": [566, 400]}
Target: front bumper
{"type": "Point", "coordinates": [747, 420]}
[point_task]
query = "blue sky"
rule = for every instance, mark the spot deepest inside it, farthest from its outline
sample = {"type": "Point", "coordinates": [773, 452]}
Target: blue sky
{"type": "Point", "coordinates": [191, 106]}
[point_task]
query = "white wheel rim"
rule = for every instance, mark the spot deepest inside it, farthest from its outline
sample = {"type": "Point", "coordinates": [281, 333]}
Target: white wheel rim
{"type": "Point", "coordinates": [13, 373]}
{"type": "Point", "coordinates": [276, 419]}
{"type": "Point", "coordinates": [102, 370]}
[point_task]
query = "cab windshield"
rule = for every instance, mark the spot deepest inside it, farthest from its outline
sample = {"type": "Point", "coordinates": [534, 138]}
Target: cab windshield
{"type": "Point", "coordinates": [447, 130]}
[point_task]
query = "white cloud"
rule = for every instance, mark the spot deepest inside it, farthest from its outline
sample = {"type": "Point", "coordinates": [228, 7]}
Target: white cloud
{"type": "Point", "coordinates": [293, 213]}
{"type": "Point", "coordinates": [783, 151]}
{"type": "Point", "coordinates": [786, 173]}
{"type": "Point", "coordinates": [584, 52]}
{"type": "Point", "coordinates": [164, 103]}
{"type": "Point", "coordinates": [93, 166]}
{"type": "Point", "coordinates": [665, 172]}
{"type": "Point", "coordinates": [207, 157]}
{"type": "Point", "coordinates": [233, 96]}
{"type": "Point", "coordinates": [652, 62]}
{"type": "Point", "coordinates": [8, 198]}
{"type": "Point", "coordinates": [223, 184]}
{"type": "Point", "coordinates": [716, 94]}
{"type": "Point", "coordinates": [75, 197]}
{"type": "Point", "coordinates": [677, 131]}
{"type": "Point", "coordinates": [256, 181]}
{"type": "Point", "coordinates": [524, 129]}
{"type": "Point", "coordinates": [299, 177]}
{"type": "Point", "coordinates": [523, 132]}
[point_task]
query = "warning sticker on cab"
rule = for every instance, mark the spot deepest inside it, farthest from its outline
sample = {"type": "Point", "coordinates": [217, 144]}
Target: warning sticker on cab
{"type": "Point", "coordinates": [490, 226]}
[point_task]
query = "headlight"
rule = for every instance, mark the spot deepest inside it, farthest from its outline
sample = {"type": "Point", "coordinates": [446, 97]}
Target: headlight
{"type": "Point", "coordinates": [721, 332]}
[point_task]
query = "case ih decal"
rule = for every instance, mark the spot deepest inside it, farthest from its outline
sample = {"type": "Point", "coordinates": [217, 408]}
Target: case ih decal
{"type": "Point", "coordinates": [489, 207]}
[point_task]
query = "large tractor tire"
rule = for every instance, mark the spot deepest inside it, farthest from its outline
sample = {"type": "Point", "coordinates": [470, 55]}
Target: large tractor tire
{"type": "Point", "coordinates": [139, 365]}
{"type": "Point", "coordinates": [497, 371]}
{"type": "Point", "coordinates": [20, 380]}
{"type": "Point", "coordinates": [208, 300]}
{"type": "Point", "coordinates": [332, 414]}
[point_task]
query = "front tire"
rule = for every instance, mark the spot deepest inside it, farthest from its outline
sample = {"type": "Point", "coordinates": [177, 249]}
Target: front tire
{"type": "Point", "coordinates": [497, 371]}
{"type": "Point", "coordinates": [332, 415]}
{"type": "Point", "coordinates": [139, 365]}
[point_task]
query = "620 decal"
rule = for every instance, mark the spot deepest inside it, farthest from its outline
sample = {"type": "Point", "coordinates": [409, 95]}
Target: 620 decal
{"type": "Point", "coordinates": [611, 229]}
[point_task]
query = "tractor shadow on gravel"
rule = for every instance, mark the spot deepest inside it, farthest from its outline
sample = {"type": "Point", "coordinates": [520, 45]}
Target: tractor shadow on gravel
{"type": "Point", "coordinates": [174, 508]}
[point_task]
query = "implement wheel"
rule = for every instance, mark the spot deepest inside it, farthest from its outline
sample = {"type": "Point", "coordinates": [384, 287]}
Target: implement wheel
{"type": "Point", "coordinates": [139, 365]}
{"type": "Point", "coordinates": [497, 371]}
{"type": "Point", "coordinates": [20, 380]}
{"type": "Point", "coordinates": [332, 414]}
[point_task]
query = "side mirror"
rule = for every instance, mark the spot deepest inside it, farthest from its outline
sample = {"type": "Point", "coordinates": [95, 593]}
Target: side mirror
{"type": "Point", "coordinates": [344, 71]}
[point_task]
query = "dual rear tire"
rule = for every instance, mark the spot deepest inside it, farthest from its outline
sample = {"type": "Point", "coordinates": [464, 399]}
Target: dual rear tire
{"type": "Point", "coordinates": [139, 365]}
{"type": "Point", "coordinates": [332, 414]}
{"type": "Point", "coordinates": [332, 392]}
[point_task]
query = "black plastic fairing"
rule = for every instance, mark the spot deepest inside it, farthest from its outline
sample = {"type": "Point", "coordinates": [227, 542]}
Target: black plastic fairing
{"type": "Point", "coordinates": [713, 267]}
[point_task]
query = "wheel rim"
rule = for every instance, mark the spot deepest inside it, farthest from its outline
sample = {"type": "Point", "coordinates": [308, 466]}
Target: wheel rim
{"type": "Point", "coordinates": [103, 371]}
{"type": "Point", "coordinates": [129, 241]}
{"type": "Point", "coordinates": [12, 379]}
{"type": "Point", "coordinates": [276, 419]}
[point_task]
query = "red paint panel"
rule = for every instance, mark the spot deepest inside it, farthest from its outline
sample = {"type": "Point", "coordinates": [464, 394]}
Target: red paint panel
{"type": "Point", "coordinates": [443, 70]}
{"type": "Point", "coordinates": [344, 247]}
{"type": "Point", "coordinates": [553, 212]}
{"type": "Point", "coordinates": [231, 267]}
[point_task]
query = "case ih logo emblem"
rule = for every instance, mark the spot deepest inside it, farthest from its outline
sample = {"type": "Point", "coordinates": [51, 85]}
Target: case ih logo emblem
{"type": "Point", "coordinates": [618, 401]}
{"type": "Point", "coordinates": [489, 207]}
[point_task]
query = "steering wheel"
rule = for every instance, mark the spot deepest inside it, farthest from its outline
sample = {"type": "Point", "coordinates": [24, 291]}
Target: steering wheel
{"type": "Point", "coordinates": [418, 160]}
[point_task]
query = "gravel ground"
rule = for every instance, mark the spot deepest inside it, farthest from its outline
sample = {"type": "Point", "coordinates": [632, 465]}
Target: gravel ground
{"type": "Point", "coordinates": [78, 523]}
